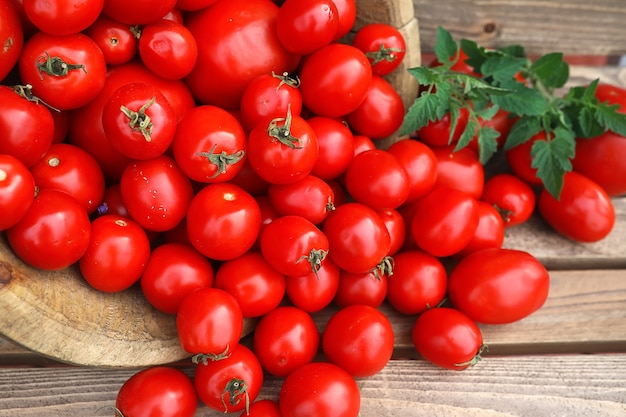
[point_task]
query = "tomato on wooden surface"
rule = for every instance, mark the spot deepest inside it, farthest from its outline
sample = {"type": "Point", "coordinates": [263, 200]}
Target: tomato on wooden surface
{"type": "Point", "coordinates": [304, 26]}
{"type": "Point", "coordinates": [336, 147]}
{"type": "Point", "coordinates": [489, 232]}
{"type": "Point", "coordinates": [358, 238]}
{"type": "Point", "coordinates": [257, 286]}
{"type": "Point", "coordinates": [513, 198]}
{"type": "Point", "coordinates": [311, 197]}
{"type": "Point", "coordinates": [419, 282]}
{"type": "Point", "coordinates": [498, 285]}
{"type": "Point", "coordinates": [583, 212]}
{"type": "Point", "coordinates": [602, 159]}
{"type": "Point", "coordinates": [459, 169]}
{"type": "Point", "coordinates": [160, 391]}
{"type": "Point", "coordinates": [447, 338]}
{"type": "Point", "coordinates": [11, 37]}
{"type": "Point", "coordinates": [230, 384]}
{"type": "Point", "coordinates": [314, 291]}
{"type": "Point", "coordinates": [223, 71]}
{"type": "Point", "coordinates": [383, 45]}
{"type": "Point", "coordinates": [63, 17]}
{"type": "Point", "coordinates": [117, 254]}
{"type": "Point", "coordinates": [17, 190]}
{"type": "Point", "coordinates": [334, 80]}
{"type": "Point", "coordinates": [26, 126]}
{"type": "Point", "coordinates": [156, 193]}
{"type": "Point", "coordinates": [173, 271]}
{"type": "Point", "coordinates": [367, 288]}
{"type": "Point", "coordinates": [66, 72]}
{"type": "Point", "coordinates": [223, 221]}
{"type": "Point", "coordinates": [285, 339]}
{"type": "Point", "coordinates": [359, 339]}
{"type": "Point", "coordinates": [115, 39]}
{"type": "Point", "coordinates": [209, 322]}
{"type": "Point", "coordinates": [419, 162]}
{"type": "Point", "coordinates": [319, 389]}
{"type": "Point", "coordinates": [53, 233]}
{"type": "Point", "coordinates": [168, 49]}
{"type": "Point", "coordinates": [138, 12]}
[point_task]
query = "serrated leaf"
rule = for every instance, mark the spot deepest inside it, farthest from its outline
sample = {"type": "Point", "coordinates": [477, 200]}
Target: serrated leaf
{"type": "Point", "coordinates": [473, 85]}
{"type": "Point", "coordinates": [468, 134]}
{"type": "Point", "coordinates": [607, 115]}
{"type": "Point", "coordinates": [475, 54]}
{"type": "Point", "coordinates": [513, 50]}
{"type": "Point", "coordinates": [424, 75]}
{"type": "Point", "coordinates": [586, 124]}
{"type": "Point", "coordinates": [502, 67]}
{"type": "Point", "coordinates": [445, 47]}
{"type": "Point", "coordinates": [487, 112]}
{"type": "Point", "coordinates": [423, 110]}
{"type": "Point", "coordinates": [455, 111]}
{"type": "Point", "coordinates": [522, 130]}
{"type": "Point", "coordinates": [590, 91]}
{"type": "Point", "coordinates": [487, 143]}
{"type": "Point", "coordinates": [552, 159]}
{"type": "Point", "coordinates": [551, 70]}
{"type": "Point", "coordinates": [523, 101]}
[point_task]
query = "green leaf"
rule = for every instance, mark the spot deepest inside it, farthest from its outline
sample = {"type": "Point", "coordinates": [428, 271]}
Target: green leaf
{"type": "Point", "coordinates": [445, 47]}
{"type": "Point", "coordinates": [468, 133]}
{"type": "Point", "coordinates": [523, 101]}
{"type": "Point", "coordinates": [552, 159]}
{"type": "Point", "coordinates": [522, 130]}
{"type": "Point", "coordinates": [608, 116]}
{"type": "Point", "coordinates": [513, 51]}
{"type": "Point", "coordinates": [586, 124]}
{"type": "Point", "coordinates": [454, 119]}
{"type": "Point", "coordinates": [423, 109]}
{"type": "Point", "coordinates": [473, 84]}
{"type": "Point", "coordinates": [487, 112]}
{"type": "Point", "coordinates": [551, 70]}
{"type": "Point", "coordinates": [502, 68]}
{"type": "Point", "coordinates": [487, 143]}
{"type": "Point", "coordinates": [424, 75]}
{"type": "Point", "coordinates": [475, 54]}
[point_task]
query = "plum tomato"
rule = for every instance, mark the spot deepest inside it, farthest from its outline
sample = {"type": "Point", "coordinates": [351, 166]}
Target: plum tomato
{"type": "Point", "coordinates": [459, 169]}
{"type": "Point", "coordinates": [519, 159]}
{"type": "Point", "coordinates": [602, 159]}
{"type": "Point", "coordinates": [489, 232]}
{"type": "Point", "coordinates": [514, 198]}
{"type": "Point", "coordinates": [17, 190]}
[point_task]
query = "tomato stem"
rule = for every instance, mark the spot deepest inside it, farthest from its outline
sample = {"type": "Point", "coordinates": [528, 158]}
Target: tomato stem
{"type": "Point", "coordinates": [55, 66]}
{"type": "Point", "coordinates": [315, 258]}
{"type": "Point", "coordinates": [26, 92]}
{"type": "Point", "coordinates": [384, 268]}
{"type": "Point", "coordinates": [477, 358]}
{"type": "Point", "coordinates": [283, 133]}
{"type": "Point", "coordinates": [383, 54]}
{"type": "Point", "coordinates": [222, 159]}
{"type": "Point", "coordinates": [285, 78]}
{"type": "Point", "coordinates": [206, 357]}
{"type": "Point", "coordinates": [139, 120]}
{"type": "Point", "coordinates": [234, 388]}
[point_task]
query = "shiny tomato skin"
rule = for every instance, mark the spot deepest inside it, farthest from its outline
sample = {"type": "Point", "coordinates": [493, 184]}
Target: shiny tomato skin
{"type": "Point", "coordinates": [363, 143]}
{"type": "Point", "coordinates": [17, 190]}
{"type": "Point", "coordinates": [584, 211]}
{"type": "Point", "coordinates": [612, 94]}
{"type": "Point", "coordinates": [359, 339]}
{"type": "Point", "coordinates": [384, 46]}
{"type": "Point", "coordinates": [319, 389]}
{"type": "Point", "coordinates": [262, 408]}
{"type": "Point", "coordinates": [358, 238]}
{"type": "Point", "coordinates": [223, 221]}
{"type": "Point", "coordinates": [346, 13]}
{"type": "Point", "coordinates": [602, 159]}
{"type": "Point", "coordinates": [114, 38]}
{"type": "Point", "coordinates": [106, 264]}
{"type": "Point", "coordinates": [139, 12]}
{"type": "Point", "coordinates": [315, 291]}
{"type": "Point", "coordinates": [168, 49]}
{"type": "Point", "coordinates": [285, 339]}
{"type": "Point", "coordinates": [173, 271]}
{"type": "Point", "coordinates": [159, 391]}
{"type": "Point", "coordinates": [519, 159]}
{"type": "Point", "coordinates": [489, 232]}
{"type": "Point", "coordinates": [223, 71]}
{"type": "Point", "coordinates": [514, 198]}
{"type": "Point", "coordinates": [362, 288]}
{"type": "Point", "coordinates": [311, 197]}
{"type": "Point", "coordinates": [336, 147]}
{"type": "Point", "coordinates": [447, 338]}
{"type": "Point", "coordinates": [396, 226]}
{"type": "Point", "coordinates": [498, 285]}
{"type": "Point", "coordinates": [53, 234]}
{"type": "Point", "coordinates": [444, 221]}
{"type": "Point", "coordinates": [12, 35]}
{"type": "Point", "coordinates": [460, 170]}
{"type": "Point", "coordinates": [304, 26]}
{"type": "Point", "coordinates": [419, 162]}
{"type": "Point", "coordinates": [75, 15]}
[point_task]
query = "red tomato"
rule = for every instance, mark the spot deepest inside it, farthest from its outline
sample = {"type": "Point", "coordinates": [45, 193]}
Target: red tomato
{"type": "Point", "coordinates": [336, 147]}
{"type": "Point", "coordinates": [311, 197]}
{"type": "Point", "coordinates": [603, 159]}
{"type": "Point", "coordinates": [460, 170]}
{"type": "Point", "coordinates": [262, 408]}
{"type": "Point", "coordinates": [138, 12]}
{"type": "Point", "coordinates": [377, 179]}
{"type": "Point", "coordinates": [334, 80]}
{"type": "Point", "coordinates": [346, 14]}
{"type": "Point", "coordinates": [12, 36]}
{"type": "Point", "coordinates": [358, 238]}
{"type": "Point", "coordinates": [319, 389]}
{"type": "Point", "coordinates": [53, 234]}
{"type": "Point", "coordinates": [209, 323]}
{"type": "Point", "coordinates": [381, 112]}
{"type": "Point", "coordinates": [26, 127]}
{"type": "Point", "coordinates": [419, 162]}
{"type": "Point", "coordinates": [17, 190]}
{"type": "Point", "coordinates": [314, 291]}
{"type": "Point", "coordinates": [173, 271]}
{"type": "Point", "coordinates": [501, 122]}
{"type": "Point", "coordinates": [61, 125]}
{"type": "Point", "coordinates": [363, 143]}
{"type": "Point", "coordinates": [584, 211]}
{"type": "Point", "coordinates": [64, 17]}
{"type": "Point", "coordinates": [497, 285]}
{"type": "Point", "coordinates": [191, 5]}
{"type": "Point", "coordinates": [437, 133]}
{"type": "Point", "coordinates": [489, 232]}
{"type": "Point", "coordinates": [257, 286]}
{"type": "Point", "coordinates": [156, 193]}
{"type": "Point", "coordinates": [383, 45]}
{"type": "Point", "coordinates": [283, 150]}
{"type": "Point", "coordinates": [359, 339]}
{"type": "Point", "coordinates": [249, 180]}
{"type": "Point", "coordinates": [115, 39]}
{"type": "Point", "coordinates": [223, 71]}
{"type": "Point", "coordinates": [105, 265]}
{"type": "Point", "coordinates": [396, 226]}
{"type": "Point", "coordinates": [160, 391]}
{"type": "Point", "coordinates": [285, 339]}
{"type": "Point", "coordinates": [511, 196]}
{"type": "Point", "coordinates": [367, 288]}
{"type": "Point", "coordinates": [112, 202]}
{"type": "Point", "coordinates": [66, 72]}
{"type": "Point", "coordinates": [209, 144]}
{"type": "Point", "coordinates": [612, 94]}
{"type": "Point", "coordinates": [230, 384]}
{"type": "Point", "coordinates": [138, 121]}
{"type": "Point", "coordinates": [168, 49]}
{"type": "Point", "coordinates": [304, 26]}
{"type": "Point", "coordinates": [519, 159]}
{"type": "Point", "coordinates": [447, 338]}
{"type": "Point", "coordinates": [444, 221]}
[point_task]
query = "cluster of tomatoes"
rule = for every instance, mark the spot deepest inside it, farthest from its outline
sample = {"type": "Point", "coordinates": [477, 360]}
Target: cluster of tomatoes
{"type": "Point", "coordinates": [222, 156]}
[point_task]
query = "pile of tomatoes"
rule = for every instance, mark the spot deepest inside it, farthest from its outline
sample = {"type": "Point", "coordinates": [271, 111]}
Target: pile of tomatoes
{"type": "Point", "coordinates": [222, 155]}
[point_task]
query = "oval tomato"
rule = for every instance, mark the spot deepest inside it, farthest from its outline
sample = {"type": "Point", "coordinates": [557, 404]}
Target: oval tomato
{"type": "Point", "coordinates": [17, 190]}
{"type": "Point", "coordinates": [602, 159]}
{"type": "Point", "coordinates": [489, 232]}
{"type": "Point", "coordinates": [311, 197]}
{"type": "Point", "coordinates": [459, 169]}
{"type": "Point", "coordinates": [519, 159]}
{"type": "Point", "coordinates": [513, 198]}
{"type": "Point", "coordinates": [336, 147]}
{"type": "Point", "coordinates": [419, 162]}
{"type": "Point", "coordinates": [303, 26]}
{"type": "Point", "coordinates": [396, 226]}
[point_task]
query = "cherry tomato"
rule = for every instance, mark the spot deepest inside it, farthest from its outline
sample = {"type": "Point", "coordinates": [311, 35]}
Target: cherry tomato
{"type": "Point", "coordinates": [447, 338]}
{"type": "Point", "coordinates": [419, 282]}
{"type": "Point", "coordinates": [304, 26]}
{"type": "Point", "coordinates": [257, 286]}
{"type": "Point", "coordinates": [367, 288]}
{"type": "Point", "coordinates": [311, 197]}
{"type": "Point", "coordinates": [444, 221]}
{"type": "Point", "coordinates": [168, 49]}
{"type": "Point", "coordinates": [602, 159]}
{"type": "Point", "coordinates": [583, 212]}
{"type": "Point", "coordinates": [223, 221]}
{"type": "Point", "coordinates": [363, 143]}
{"type": "Point", "coordinates": [115, 39]}
{"type": "Point", "coordinates": [53, 234]}
{"type": "Point", "coordinates": [419, 162]}
{"type": "Point", "coordinates": [285, 339]}
{"type": "Point", "coordinates": [160, 391]}
{"type": "Point", "coordinates": [460, 170]}
{"type": "Point", "coordinates": [139, 12]}
{"type": "Point", "coordinates": [359, 339]}
{"type": "Point", "coordinates": [230, 384]}
{"type": "Point", "coordinates": [334, 80]}
{"type": "Point", "coordinates": [173, 271]}
{"type": "Point", "coordinates": [437, 133]}
{"type": "Point", "coordinates": [314, 291]}
{"type": "Point", "coordinates": [513, 198]}
{"type": "Point", "coordinates": [319, 389]}
{"type": "Point", "coordinates": [336, 147]}
{"type": "Point", "coordinates": [65, 17]}
{"type": "Point", "coordinates": [489, 232]}
{"type": "Point", "coordinates": [17, 190]}
{"type": "Point", "coordinates": [497, 285]}
{"type": "Point", "coordinates": [262, 408]}
{"type": "Point", "coordinates": [383, 45]}
{"type": "Point", "coordinates": [396, 226]}
{"type": "Point", "coordinates": [11, 36]}
{"type": "Point", "coordinates": [66, 72]}
{"type": "Point", "coordinates": [156, 193]}
{"type": "Point", "coordinates": [358, 238]}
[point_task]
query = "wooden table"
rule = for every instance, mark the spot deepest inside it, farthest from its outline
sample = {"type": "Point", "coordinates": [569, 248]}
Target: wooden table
{"type": "Point", "coordinates": [567, 359]}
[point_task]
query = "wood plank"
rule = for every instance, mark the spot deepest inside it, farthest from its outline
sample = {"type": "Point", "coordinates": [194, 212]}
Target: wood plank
{"type": "Point", "coordinates": [578, 27]}
{"type": "Point", "coordinates": [561, 385]}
